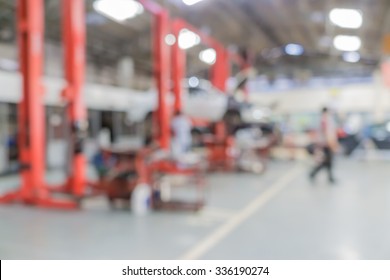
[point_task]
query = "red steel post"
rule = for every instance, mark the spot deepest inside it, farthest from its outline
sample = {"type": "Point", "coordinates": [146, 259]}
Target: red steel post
{"type": "Point", "coordinates": [219, 71]}
{"type": "Point", "coordinates": [178, 66]}
{"type": "Point", "coordinates": [73, 17]}
{"type": "Point", "coordinates": [162, 76]}
{"type": "Point", "coordinates": [31, 118]}
{"type": "Point", "coordinates": [161, 59]}
{"type": "Point", "coordinates": [219, 77]}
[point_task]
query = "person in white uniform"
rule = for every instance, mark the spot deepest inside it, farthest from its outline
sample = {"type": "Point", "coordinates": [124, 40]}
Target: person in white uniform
{"type": "Point", "coordinates": [181, 139]}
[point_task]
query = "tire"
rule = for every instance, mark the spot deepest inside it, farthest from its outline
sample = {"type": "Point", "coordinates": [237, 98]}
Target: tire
{"type": "Point", "coordinates": [148, 129]}
{"type": "Point", "coordinates": [196, 138]}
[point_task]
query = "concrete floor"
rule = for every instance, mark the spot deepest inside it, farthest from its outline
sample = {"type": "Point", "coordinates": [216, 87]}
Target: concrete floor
{"type": "Point", "coordinates": [279, 215]}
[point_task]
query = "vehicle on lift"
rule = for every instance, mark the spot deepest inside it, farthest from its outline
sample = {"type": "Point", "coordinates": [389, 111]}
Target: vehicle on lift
{"type": "Point", "coordinates": [202, 101]}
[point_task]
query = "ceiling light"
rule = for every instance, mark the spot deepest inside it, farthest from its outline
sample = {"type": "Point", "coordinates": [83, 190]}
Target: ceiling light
{"type": "Point", "coordinates": [294, 49]}
{"type": "Point", "coordinates": [119, 10]}
{"type": "Point", "coordinates": [346, 18]}
{"type": "Point", "coordinates": [193, 82]}
{"type": "Point", "coordinates": [191, 2]}
{"type": "Point", "coordinates": [347, 43]}
{"type": "Point", "coordinates": [208, 56]}
{"type": "Point", "coordinates": [188, 39]}
{"type": "Point", "coordinates": [351, 57]}
{"type": "Point", "coordinates": [170, 39]}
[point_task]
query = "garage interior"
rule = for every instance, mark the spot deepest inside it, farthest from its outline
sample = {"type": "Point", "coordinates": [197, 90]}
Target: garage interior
{"type": "Point", "coordinates": [189, 129]}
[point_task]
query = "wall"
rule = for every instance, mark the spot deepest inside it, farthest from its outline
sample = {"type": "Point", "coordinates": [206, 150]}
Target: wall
{"type": "Point", "coordinates": [121, 75]}
{"type": "Point", "coordinates": [371, 97]}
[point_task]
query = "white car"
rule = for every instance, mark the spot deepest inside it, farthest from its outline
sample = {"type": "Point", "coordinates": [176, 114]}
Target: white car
{"type": "Point", "coordinates": [201, 101]}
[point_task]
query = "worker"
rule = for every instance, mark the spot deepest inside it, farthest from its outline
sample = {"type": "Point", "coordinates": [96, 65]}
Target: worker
{"type": "Point", "coordinates": [181, 131]}
{"type": "Point", "coordinates": [103, 162]}
{"type": "Point", "coordinates": [327, 144]}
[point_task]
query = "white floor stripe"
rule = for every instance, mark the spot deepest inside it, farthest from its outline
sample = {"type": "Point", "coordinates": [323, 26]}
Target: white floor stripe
{"type": "Point", "coordinates": [220, 233]}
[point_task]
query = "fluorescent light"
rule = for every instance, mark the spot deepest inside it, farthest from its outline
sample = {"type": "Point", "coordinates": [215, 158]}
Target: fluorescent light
{"type": "Point", "coordinates": [191, 2]}
{"type": "Point", "coordinates": [294, 49]}
{"type": "Point", "coordinates": [347, 43]}
{"type": "Point", "coordinates": [119, 10]}
{"type": "Point", "coordinates": [352, 57]}
{"type": "Point", "coordinates": [346, 18]}
{"type": "Point", "coordinates": [170, 39]}
{"type": "Point", "coordinates": [208, 56]}
{"type": "Point", "coordinates": [188, 39]}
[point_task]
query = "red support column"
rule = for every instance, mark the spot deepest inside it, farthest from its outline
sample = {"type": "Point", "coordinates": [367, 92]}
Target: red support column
{"type": "Point", "coordinates": [219, 71]}
{"type": "Point", "coordinates": [178, 66]}
{"type": "Point", "coordinates": [31, 122]}
{"type": "Point", "coordinates": [31, 118]}
{"type": "Point", "coordinates": [219, 76]}
{"type": "Point", "coordinates": [162, 71]}
{"type": "Point", "coordinates": [73, 16]}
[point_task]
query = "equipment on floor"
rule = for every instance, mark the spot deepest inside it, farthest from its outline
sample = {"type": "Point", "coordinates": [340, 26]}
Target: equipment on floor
{"type": "Point", "coordinates": [120, 173]}
{"type": "Point", "coordinates": [124, 173]}
{"type": "Point", "coordinates": [167, 174]}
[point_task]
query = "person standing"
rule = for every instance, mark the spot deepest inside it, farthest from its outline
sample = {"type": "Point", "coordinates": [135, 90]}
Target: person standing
{"type": "Point", "coordinates": [181, 130]}
{"type": "Point", "coordinates": [328, 144]}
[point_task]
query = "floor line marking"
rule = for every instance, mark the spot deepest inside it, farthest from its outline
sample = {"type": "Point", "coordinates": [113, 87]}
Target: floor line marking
{"type": "Point", "coordinates": [229, 226]}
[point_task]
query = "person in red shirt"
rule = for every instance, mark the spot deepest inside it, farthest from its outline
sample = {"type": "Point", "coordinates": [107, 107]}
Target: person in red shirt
{"type": "Point", "coordinates": [327, 144]}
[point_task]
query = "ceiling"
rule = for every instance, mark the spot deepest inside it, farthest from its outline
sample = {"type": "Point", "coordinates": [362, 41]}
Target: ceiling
{"type": "Point", "coordinates": [262, 27]}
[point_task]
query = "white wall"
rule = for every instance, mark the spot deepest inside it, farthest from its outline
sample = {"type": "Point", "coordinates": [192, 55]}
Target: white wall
{"type": "Point", "coordinates": [122, 76]}
{"type": "Point", "coordinates": [373, 97]}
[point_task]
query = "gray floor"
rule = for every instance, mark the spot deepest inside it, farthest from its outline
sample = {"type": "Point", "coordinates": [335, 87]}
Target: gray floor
{"type": "Point", "coordinates": [279, 215]}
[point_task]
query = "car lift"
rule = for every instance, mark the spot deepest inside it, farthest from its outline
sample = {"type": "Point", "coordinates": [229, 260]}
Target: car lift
{"type": "Point", "coordinates": [74, 41]}
{"type": "Point", "coordinates": [33, 190]}
{"type": "Point", "coordinates": [162, 55]}
{"type": "Point", "coordinates": [31, 120]}
{"type": "Point", "coordinates": [73, 33]}
{"type": "Point", "coordinates": [219, 71]}
{"type": "Point", "coordinates": [220, 146]}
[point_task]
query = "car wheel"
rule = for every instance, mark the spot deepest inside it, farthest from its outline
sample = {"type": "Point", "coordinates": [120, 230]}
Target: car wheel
{"type": "Point", "coordinates": [196, 138]}
{"type": "Point", "coordinates": [232, 120]}
{"type": "Point", "coordinates": [148, 129]}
